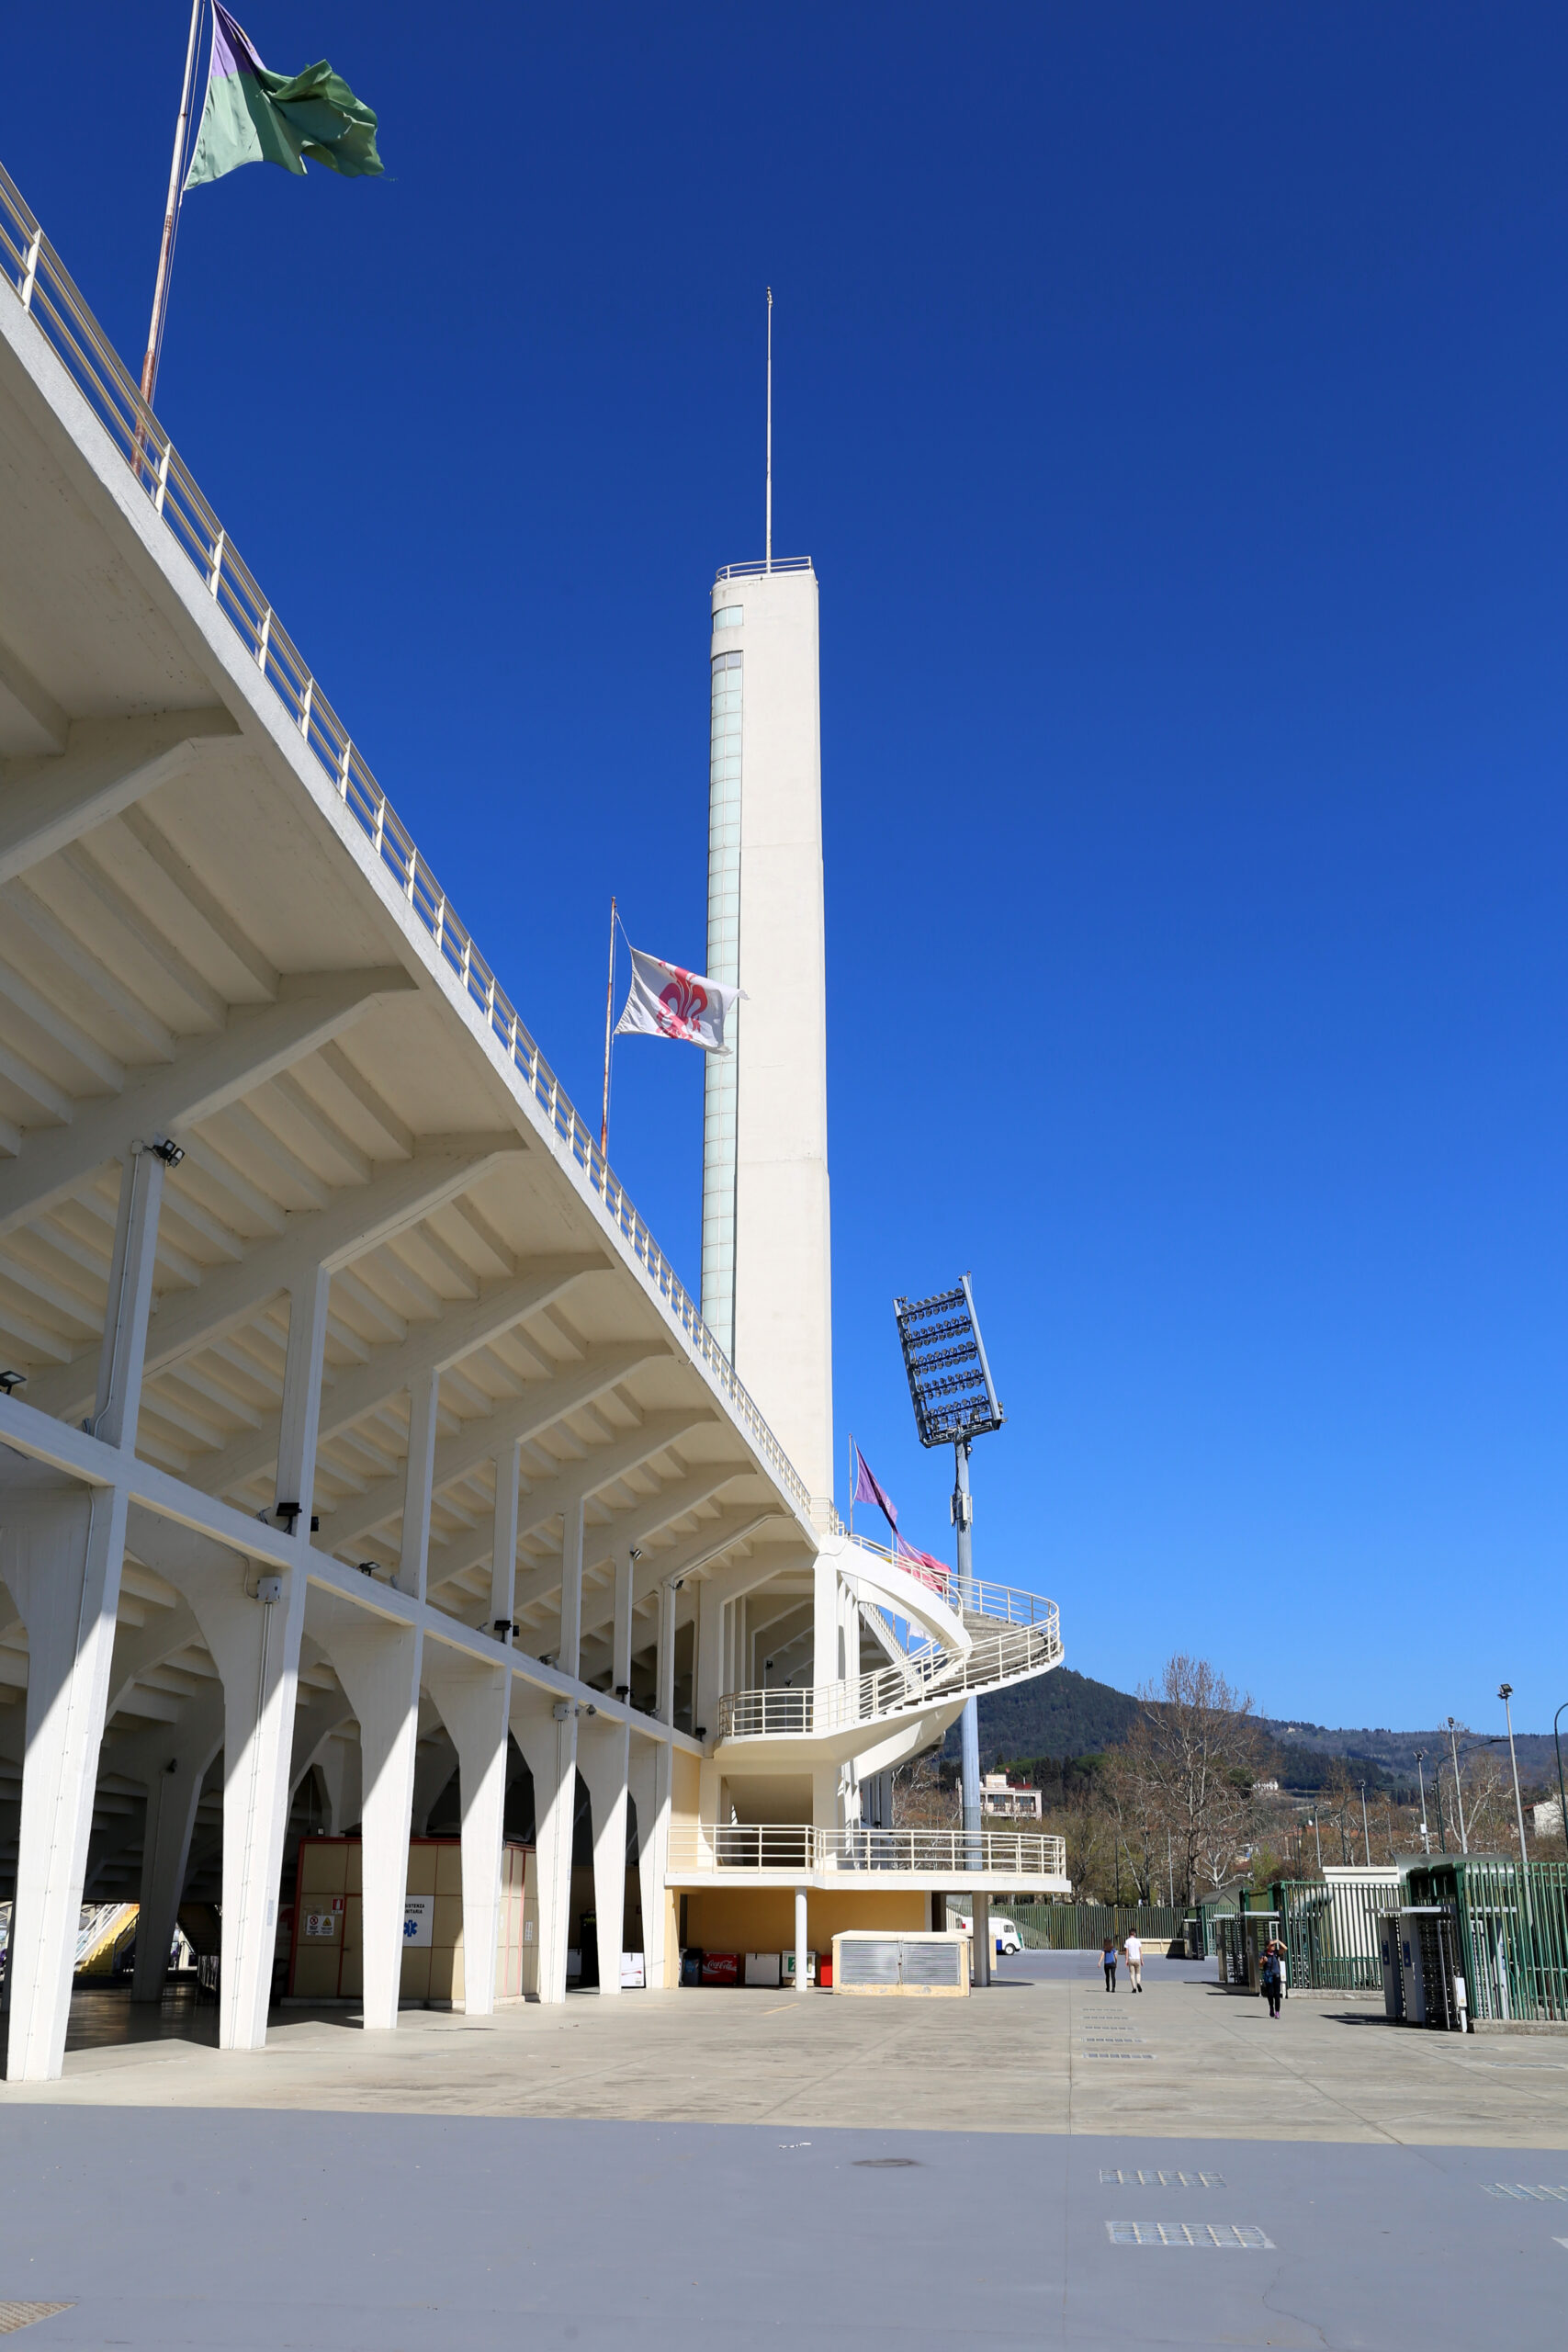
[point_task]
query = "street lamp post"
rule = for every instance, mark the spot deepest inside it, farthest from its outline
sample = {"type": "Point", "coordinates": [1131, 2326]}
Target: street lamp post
{"type": "Point", "coordinates": [1505, 1692]}
{"type": "Point", "coordinates": [1562, 1800]}
{"type": "Point", "coordinates": [1317, 1839]}
{"type": "Point", "coordinates": [1421, 1777]}
{"type": "Point", "coordinates": [1366, 1832]}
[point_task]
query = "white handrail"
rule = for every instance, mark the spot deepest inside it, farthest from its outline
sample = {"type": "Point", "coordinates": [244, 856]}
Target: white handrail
{"type": "Point", "coordinates": [923, 1679]}
{"type": "Point", "coordinates": [761, 570]}
{"type": "Point", "coordinates": [977, 1603]}
{"type": "Point", "coordinates": [788, 1846]}
{"type": "Point", "coordinates": [46, 293]}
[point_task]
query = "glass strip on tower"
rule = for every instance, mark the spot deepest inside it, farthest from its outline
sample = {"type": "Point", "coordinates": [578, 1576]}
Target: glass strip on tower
{"type": "Point", "coordinates": [723, 964]}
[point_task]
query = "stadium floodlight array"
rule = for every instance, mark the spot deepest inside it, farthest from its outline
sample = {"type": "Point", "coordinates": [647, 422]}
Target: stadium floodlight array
{"type": "Point", "coordinates": [944, 1359]}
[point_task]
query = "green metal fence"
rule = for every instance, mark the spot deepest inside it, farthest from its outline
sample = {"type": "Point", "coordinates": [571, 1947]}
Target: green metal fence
{"type": "Point", "coordinates": [1513, 1932]}
{"type": "Point", "coordinates": [1331, 1932]}
{"type": "Point", "coordinates": [1083, 1926]}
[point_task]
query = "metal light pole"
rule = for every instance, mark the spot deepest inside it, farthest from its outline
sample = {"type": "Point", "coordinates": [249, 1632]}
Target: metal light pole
{"type": "Point", "coordinates": [1366, 1832]}
{"type": "Point", "coordinates": [1421, 1777]}
{"type": "Point", "coordinates": [1562, 1800]}
{"type": "Point", "coordinates": [955, 1401]}
{"type": "Point", "coordinates": [1459, 1793]}
{"type": "Point", "coordinates": [969, 1721]}
{"type": "Point", "coordinates": [1317, 1841]}
{"type": "Point", "coordinates": [1505, 1692]}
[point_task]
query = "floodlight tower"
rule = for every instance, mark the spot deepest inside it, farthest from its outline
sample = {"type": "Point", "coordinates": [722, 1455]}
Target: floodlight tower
{"type": "Point", "coordinates": [956, 1401]}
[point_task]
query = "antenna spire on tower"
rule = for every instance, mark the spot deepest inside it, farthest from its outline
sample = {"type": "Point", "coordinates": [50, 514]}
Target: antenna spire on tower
{"type": "Point", "coordinates": [768, 533]}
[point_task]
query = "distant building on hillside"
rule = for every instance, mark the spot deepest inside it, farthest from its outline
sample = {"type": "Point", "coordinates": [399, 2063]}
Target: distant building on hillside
{"type": "Point", "coordinates": [999, 1796]}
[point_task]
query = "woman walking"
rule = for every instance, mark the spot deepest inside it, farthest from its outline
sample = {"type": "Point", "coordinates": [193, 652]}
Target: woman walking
{"type": "Point", "coordinates": [1108, 1960]}
{"type": "Point", "coordinates": [1271, 1976]}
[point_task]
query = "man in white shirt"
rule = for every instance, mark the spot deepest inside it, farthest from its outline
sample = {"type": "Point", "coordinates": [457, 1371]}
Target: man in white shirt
{"type": "Point", "coordinates": [1134, 1952]}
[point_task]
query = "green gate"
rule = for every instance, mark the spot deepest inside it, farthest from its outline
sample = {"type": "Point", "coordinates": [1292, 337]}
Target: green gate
{"type": "Point", "coordinates": [1512, 1931]}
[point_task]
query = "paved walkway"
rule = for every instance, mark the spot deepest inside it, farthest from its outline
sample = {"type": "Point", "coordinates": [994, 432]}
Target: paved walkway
{"type": "Point", "coordinates": [1040, 2166]}
{"type": "Point", "coordinates": [1043, 2051]}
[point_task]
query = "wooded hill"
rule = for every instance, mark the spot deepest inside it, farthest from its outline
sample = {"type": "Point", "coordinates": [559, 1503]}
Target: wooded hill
{"type": "Point", "coordinates": [1063, 1715]}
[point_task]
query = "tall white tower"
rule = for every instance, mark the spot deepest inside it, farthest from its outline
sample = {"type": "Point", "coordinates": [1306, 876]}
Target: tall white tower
{"type": "Point", "coordinates": [766, 1274]}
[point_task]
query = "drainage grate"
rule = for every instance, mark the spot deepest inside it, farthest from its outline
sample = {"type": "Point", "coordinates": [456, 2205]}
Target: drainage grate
{"type": "Point", "coordinates": [1164, 2179]}
{"type": "Point", "coordinates": [886, 2164]}
{"type": "Point", "coordinates": [16, 2315]}
{"type": "Point", "coordinates": [1147, 2055]}
{"type": "Point", "coordinates": [1224, 2235]}
{"type": "Point", "coordinates": [1538, 2192]}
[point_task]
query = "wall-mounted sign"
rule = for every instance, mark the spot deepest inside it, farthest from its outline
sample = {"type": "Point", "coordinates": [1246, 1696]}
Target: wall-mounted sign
{"type": "Point", "coordinates": [419, 1918]}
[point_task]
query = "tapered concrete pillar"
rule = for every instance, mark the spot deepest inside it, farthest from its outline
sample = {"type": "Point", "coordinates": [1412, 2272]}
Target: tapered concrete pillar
{"type": "Point", "coordinates": [801, 1945]}
{"type": "Point", "coordinates": [473, 1703]}
{"type": "Point", "coordinates": [173, 1796]}
{"type": "Point", "coordinates": [61, 1549]}
{"type": "Point", "coordinates": [603, 1756]}
{"type": "Point", "coordinates": [377, 1662]}
{"type": "Point", "coordinates": [251, 1617]}
{"type": "Point", "coordinates": [545, 1731]}
{"type": "Point", "coordinates": [650, 1784]}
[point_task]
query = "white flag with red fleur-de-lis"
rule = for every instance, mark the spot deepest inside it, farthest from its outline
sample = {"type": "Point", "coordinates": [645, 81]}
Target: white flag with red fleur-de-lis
{"type": "Point", "coordinates": [665, 1001]}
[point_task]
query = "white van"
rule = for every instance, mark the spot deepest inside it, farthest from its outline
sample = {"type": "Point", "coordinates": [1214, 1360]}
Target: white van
{"type": "Point", "coordinates": [1004, 1935]}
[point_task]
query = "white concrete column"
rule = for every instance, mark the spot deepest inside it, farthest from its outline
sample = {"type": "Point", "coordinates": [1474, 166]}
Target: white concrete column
{"type": "Point", "coordinates": [172, 1795]}
{"type": "Point", "coordinates": [414, 1560]}
{"type": "Point", "coordinates": [621, 1634]}
{"type": "Point", "coordinates": [649, 1782]}
{"type": "Point", "coordinates": [253, 1620]}
{"type": "Point", "coordinates": [801, 1946]}
{"type": "Point", "coordinates": [826, 1620]}
{"type": "Point", "coordinates": [302, 1395]}
{"type": "Point", "coordinates": [473, 1700]}
{"type": "Point", "coordinates": [130, 1298]}
{"type": "Point", "coordinates": [709, 1678]}
{"type": "Point", "coordinates": [377, 1662]}
{"type": "Point", "coordinates": [569, 1656]}
{"type": "Point", "coordinates": [665, 1666]}
{"type": "Point", "coordinates": [503, 1553]}
{"type": "Point", "coordinates": [603, 1755]}
{"type": "Point", "coordinates": [545, 1731]}
{"type": "Point", "coordinates": [61, 1548]}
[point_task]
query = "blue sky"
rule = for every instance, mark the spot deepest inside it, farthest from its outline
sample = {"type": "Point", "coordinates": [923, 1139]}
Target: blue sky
{"type": "Point", "coordinates": [1173, 403]}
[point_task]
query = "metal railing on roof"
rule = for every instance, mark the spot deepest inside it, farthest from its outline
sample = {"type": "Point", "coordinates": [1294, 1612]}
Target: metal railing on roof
{"type": "Point", "coordinates": [761, 570]}
{"type": "Point", "coordinates": [789, 1846]}
{"type": "Point", "coordinates": [46, 293]}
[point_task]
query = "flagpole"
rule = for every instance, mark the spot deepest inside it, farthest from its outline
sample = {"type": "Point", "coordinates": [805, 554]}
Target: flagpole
{"type": "Point", "coordinates": [171, 217]}
{"type": "Point", "coordinates": [609, 1015]}
{"type": "Point", "coordinates": [768, 535]}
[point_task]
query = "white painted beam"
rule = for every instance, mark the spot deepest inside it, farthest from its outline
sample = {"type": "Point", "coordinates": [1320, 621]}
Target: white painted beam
{"type": "Point", "coordinates": [105, 765]}
{"type": "Point", "coordinates": [204, 1077]}
{"type": "Point", "coordinates": [27, 709]}
{"type": "Point", "coordinates": [519, 1420]}
{"type": "Point", "coordinates": [634, 1527]}
{"type": "Point", "coordinates": [430, 1347]}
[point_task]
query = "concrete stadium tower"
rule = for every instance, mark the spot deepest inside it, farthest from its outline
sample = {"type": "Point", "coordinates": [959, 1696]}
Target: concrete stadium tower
{"type": "Point", "coordinates": [766, 1234]}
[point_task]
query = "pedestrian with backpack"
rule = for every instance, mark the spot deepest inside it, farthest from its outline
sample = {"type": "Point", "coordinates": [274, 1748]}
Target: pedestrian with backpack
{"type": "Point", "coordinates": [1271, 1976]}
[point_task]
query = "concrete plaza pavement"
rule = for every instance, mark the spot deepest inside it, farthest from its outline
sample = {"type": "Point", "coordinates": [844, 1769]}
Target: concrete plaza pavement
{"type": "Point", "coordinates": [1043, 2165]}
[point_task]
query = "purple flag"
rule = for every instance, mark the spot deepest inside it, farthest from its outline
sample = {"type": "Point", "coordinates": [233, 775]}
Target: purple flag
{"type": "Point", "coordinates": [870, 1490]}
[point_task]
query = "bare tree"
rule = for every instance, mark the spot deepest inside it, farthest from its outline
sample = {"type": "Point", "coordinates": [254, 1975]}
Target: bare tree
{"type": "Point", "coordinates": [920, 1800]}
{"type": "Point", "coordinates": [1193, 1753]}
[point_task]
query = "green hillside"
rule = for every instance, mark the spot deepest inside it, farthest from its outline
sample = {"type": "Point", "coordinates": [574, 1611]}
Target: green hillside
{"type": "Point", "coordinates": [1061, 1714]}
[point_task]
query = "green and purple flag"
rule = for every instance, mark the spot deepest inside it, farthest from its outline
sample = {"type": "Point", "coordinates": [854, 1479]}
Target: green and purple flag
{"type": "Point", "coordinates": [254, 117]}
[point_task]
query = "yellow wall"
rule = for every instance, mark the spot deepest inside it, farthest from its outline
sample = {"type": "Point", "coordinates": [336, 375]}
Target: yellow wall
{"type": "Point", "coordinates": [763, 1918]}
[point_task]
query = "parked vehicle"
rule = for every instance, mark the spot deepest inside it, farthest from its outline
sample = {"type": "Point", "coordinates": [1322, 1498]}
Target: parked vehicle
{"type": "Point", "coordinates": [1004, 1935]}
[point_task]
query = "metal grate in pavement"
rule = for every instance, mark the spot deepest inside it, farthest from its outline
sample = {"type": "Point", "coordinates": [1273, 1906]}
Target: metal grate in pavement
{"type": "Point", "coordinates": [1164, 2179]}
{"type": "Point", "coordinates": [1538, 2192]}
{"type": "Point", "coordinates": [1126, 2054]}
{"type": "Point", "coordinates": [16, 2315]}
{"type": "Point", "coordinates": [1227, 2235]}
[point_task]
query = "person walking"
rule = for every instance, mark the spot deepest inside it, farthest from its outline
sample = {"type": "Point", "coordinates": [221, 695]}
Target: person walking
{"type": "Point", "coordinates": [1271, 1976]}
{"type": "Point", "coordinates": [1133, 1948]}
{"type": "Point", "coordinates": [1108, 1962]}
